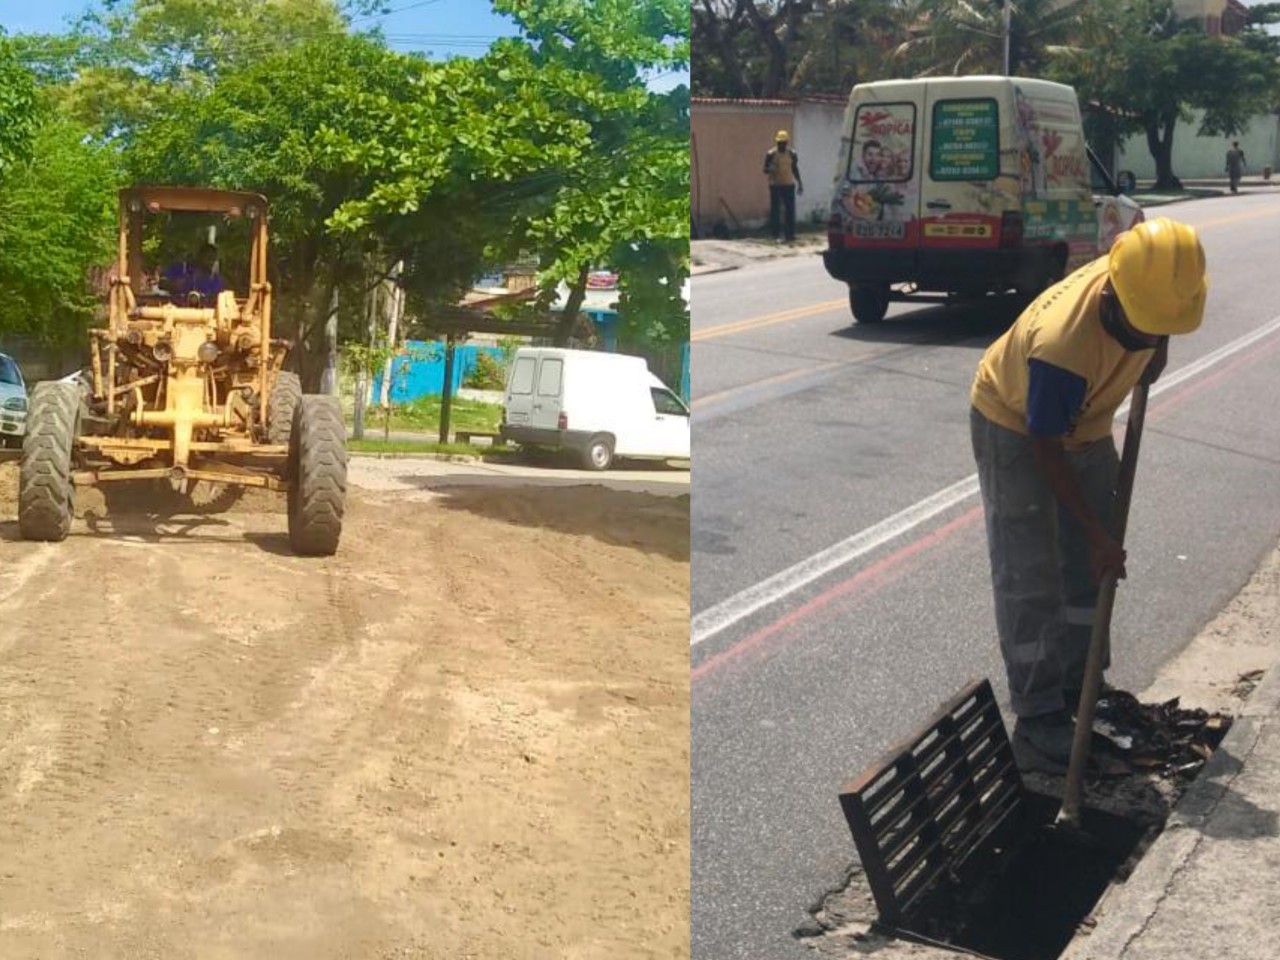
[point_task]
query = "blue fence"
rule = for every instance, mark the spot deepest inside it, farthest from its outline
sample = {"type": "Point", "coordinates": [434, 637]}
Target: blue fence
{"type": "Point", "coordinates": [422, 373]}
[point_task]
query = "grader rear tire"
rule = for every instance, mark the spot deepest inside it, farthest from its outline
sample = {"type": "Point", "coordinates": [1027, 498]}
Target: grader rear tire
{"type": "Point", "coordinates": [318, 475]}
{"type": "Point", "coordinates": [45, 489]}
{"type": "Point", "coordinates": [281, 404]}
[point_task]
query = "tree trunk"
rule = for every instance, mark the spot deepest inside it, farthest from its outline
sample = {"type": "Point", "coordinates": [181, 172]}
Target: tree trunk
{"type": "Point", "coordinates": [766, 30]}
{"type": "Point", "coordinates": [724, 36]}
{"type": "Point", "coordinates": [1159, 132]}
{"type": "Point", "coordinates": [572, 308]}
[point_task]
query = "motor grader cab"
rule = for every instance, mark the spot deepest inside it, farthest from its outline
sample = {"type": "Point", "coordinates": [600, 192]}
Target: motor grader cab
{"type": "Point", "coordinates": [187, 385]}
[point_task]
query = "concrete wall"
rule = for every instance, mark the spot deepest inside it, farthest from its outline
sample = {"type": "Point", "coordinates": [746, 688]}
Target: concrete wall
{"type": "Point", "coordinates": [818, 128]}
{"type": "Point", "coordinates": [1199, 158]}
{"type": "Point", "coordinates": [728, 141]}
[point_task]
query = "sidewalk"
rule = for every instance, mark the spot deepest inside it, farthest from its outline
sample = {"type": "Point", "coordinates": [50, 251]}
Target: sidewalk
{"type": "Point", "coordinates": [717, 256]}
{"type": "Point", "coordinates": [1207, 889]}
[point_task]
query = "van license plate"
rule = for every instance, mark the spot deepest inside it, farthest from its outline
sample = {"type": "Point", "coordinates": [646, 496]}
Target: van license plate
{"type": "Point", "coordinates": [879, 230]}
{"type": "Point", "coordinates": [514, 417]}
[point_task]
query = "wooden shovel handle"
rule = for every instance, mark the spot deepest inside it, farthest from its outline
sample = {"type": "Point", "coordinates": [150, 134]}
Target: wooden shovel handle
{"type": "Point", "coordinates": [1073, 794]}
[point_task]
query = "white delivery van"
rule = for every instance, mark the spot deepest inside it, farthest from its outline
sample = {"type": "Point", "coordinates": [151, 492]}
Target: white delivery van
{"type": "Point", "coordinates": [965, 186]}
{"type": "Point", "coordinates": [599, 405]}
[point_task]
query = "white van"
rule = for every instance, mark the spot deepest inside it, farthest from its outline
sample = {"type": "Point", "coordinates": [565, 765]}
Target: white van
{"type": "Point", "coordinates": [965, 186]}
{"type": "Point", "coordinates": [599, 405]}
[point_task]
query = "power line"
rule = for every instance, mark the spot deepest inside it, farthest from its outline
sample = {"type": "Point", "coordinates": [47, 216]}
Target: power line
{"type": "Point", "coordinates": [392, 13]}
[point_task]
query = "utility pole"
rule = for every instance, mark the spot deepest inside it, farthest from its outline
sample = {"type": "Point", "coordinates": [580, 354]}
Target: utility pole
{"type": "Point", "coordinates": [393, 323]}
{"type": "Point", "coordinates": [1008, 30]}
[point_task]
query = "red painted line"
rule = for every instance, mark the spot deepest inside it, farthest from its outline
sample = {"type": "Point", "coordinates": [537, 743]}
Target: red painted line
{"type": "Point", "coordinates": [867, 581]}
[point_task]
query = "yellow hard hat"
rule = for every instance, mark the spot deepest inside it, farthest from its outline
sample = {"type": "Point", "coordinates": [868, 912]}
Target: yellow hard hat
{"type": "Point", "coordinates": [781, 136]}
{"type": "Point", "coordinates": [1157, 270]}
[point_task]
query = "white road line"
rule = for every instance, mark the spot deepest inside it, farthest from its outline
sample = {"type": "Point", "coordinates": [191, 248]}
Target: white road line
{"type": "Point", "coordinates": [719, 617]}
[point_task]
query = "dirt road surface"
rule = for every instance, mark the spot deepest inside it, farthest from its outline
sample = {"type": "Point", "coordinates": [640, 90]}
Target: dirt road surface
{"type": "Point", "coordinates": [466, 735]}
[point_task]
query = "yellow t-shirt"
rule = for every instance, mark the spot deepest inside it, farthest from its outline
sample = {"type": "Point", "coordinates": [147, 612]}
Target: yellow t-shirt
{"type": "Point", "coordinates": [781, 168]}
{"type": "Point", "coordinates": [1061, 327]}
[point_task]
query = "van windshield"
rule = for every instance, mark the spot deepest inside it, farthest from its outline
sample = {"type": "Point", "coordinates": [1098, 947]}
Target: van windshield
{"type": "Point", "coordinates": [884, 143]}
{"type": "Point", "coordinates": [9, 372]}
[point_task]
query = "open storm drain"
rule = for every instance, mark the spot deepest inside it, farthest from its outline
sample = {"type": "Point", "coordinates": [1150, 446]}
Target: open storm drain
{"type": "Point", "coordinates": [956, 850]}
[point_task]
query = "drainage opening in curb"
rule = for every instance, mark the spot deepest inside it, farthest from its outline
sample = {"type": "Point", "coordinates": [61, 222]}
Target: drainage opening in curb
{"type": "Point", "coordinates": [1025, 896]}
{"type": "Point", "coordinates": [957, 849]}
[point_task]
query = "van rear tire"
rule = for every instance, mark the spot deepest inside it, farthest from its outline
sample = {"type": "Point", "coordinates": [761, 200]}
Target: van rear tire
{"type": "Point", "coordinates": [869, 303]}
{"type": "Point", "coordinates": [598, 453]}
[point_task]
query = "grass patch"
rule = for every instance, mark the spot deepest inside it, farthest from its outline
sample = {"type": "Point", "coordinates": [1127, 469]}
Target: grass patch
{"type": "Point", "coordinates": [423, 415]}
{"type": "Point", "coordinates": [423, 446]}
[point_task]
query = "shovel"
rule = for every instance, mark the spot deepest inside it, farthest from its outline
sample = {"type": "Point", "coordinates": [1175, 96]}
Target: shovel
{"type": "Point", "coordinates": [1073, 795]}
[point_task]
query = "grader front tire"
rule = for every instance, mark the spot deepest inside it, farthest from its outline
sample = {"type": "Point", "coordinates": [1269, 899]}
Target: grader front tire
{"type": "Point", "coordinates": [318, 475]}
{"type": "Point", "coordinates": [281, 404]}
{"type": "Point", "coordinates": [45, 489]}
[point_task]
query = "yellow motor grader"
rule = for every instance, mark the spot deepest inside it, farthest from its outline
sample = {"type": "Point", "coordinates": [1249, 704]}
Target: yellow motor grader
{"type": "Point", "coordinates": [187, 386]}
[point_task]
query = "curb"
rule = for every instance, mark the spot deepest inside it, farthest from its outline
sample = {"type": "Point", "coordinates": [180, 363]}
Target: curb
{"type": "Point", "coordinates": [714, 268]}
{"type": "Point", "coordinates": [1126, 909]}
{"type": "Point", "coordinates": [444, 457]}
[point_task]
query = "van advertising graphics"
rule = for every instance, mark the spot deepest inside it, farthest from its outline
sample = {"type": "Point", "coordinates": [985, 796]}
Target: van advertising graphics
{"type": "Point", "coordinates": [880, 193]}
{"type": "Point", "coordinates": [966, 140]}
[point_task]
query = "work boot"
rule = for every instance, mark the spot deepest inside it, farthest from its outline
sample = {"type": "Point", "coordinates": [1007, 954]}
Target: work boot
{"type": "Point", "coordinates": [1043, 743]}
{"type": "Point", "coordinates": [1071, 696]}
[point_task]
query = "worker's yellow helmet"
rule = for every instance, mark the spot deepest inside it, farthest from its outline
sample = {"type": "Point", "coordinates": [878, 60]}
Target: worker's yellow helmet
{"type": "Point", "coordinates": [781, 137]}
{"type": "Point", "coordinates": [1157, 270]}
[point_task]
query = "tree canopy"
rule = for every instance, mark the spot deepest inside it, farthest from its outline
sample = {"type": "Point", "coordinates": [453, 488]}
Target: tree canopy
{"type": "Point", "coordinates": [19, 111]}
{"type": "Point", "coordinates": [550, 144]}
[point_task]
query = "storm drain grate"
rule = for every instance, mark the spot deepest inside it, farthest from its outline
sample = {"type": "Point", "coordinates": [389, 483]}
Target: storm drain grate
{"type": "Point", "coordinates": [929, 804]}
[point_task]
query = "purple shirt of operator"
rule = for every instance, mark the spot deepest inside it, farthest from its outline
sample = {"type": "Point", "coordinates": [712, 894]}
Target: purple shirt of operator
{"type": "Point", "coordinates": [184, 278]}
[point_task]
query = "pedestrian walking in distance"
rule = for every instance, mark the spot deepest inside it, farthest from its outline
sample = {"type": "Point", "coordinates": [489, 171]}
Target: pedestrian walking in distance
{"type": "Point", "coordinates": [782, 167]}
{"type": "Point", "coordinates": [1043, 402]}
{"type": "Point", "coordinates": [1235, 165]}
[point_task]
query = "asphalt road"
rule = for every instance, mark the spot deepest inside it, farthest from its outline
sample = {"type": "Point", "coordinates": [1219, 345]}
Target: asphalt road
{"type": "Point", "coordinates": [811, 433]}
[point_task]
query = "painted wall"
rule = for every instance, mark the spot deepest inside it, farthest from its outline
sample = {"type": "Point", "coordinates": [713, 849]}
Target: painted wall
{"type": "Point", "coordinates": [1199, 158]}
{"type": "Point", "coordinates": [818, 129]}
{"type": "Point", "coordinates": [425, 378]}
{"type": "Point", "coordinates": [728, 141]}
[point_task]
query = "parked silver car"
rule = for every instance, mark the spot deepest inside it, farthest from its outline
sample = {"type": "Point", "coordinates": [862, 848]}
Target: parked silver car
{"type": "Point", "coordinates": [13, 402]}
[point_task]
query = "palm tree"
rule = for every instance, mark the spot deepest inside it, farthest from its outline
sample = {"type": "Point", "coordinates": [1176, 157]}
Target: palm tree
{"type": "Point", "coordinates": [967, 36]}
{"type": "Point", "coordinates": [846, 42]}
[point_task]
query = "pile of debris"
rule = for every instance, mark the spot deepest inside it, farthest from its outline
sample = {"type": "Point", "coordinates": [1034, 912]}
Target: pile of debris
{"type": "Point", "coordinates": [1161, 738]}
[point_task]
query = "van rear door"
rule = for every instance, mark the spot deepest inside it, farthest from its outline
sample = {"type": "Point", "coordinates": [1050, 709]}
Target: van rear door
{"type": "Point", "coordinates": [548, 398]}
{"type": "Point", "coordinates": [879, 192]}
{"type": "Point", "coordinates": [520, 383]}
{"type": "Point", "coordinates": [962, 197]}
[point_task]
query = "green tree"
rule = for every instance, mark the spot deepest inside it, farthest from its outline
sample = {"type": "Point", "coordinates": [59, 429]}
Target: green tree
{"type": "Point", "coordinates": [1150, 70]}
{"type": "Point", "coordinates": [960, 37]}
{"type": "Point", "coordinates": [627, 201]}
{"type": "Point", "coordinates": [126, 59]}
{"type": "Point", "coordinates": [271, 126]}
{"type": "Point", "coordinates": [19, 111]}
{"type": "Point", "coordinates": [762, 48]}
{"type": "Point", "coordinates": [57, 213]}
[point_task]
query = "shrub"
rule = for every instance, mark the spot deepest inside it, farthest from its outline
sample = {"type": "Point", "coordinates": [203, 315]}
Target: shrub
{"type": "Point", "coordinates": [489, 373]}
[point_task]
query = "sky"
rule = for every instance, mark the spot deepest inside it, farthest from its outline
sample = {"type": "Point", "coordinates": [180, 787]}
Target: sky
{"type": "Point", "coordinates": [442, 28]}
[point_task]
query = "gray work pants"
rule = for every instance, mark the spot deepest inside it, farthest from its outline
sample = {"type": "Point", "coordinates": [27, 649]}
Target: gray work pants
{"type": "Point", "coordinates": [1044, 588]}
